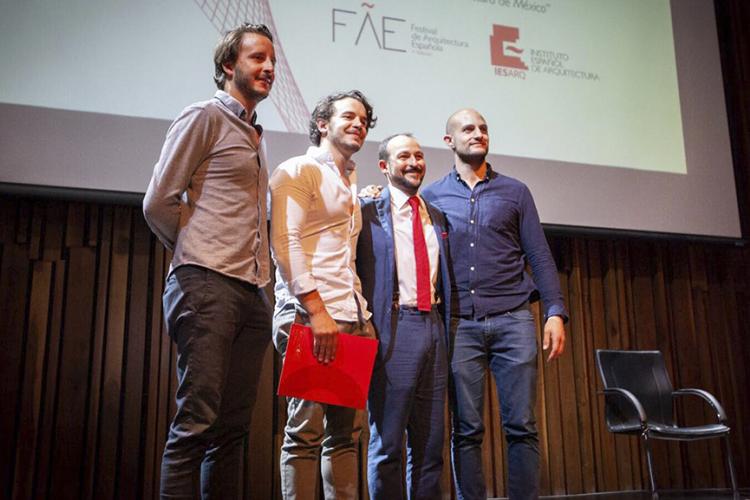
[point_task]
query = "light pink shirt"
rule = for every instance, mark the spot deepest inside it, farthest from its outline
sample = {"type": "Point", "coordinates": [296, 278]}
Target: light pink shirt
{"type": "Point", "coordinates": [315, 222]}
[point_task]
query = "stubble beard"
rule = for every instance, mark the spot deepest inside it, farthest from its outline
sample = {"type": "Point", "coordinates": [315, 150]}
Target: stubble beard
{"type": "Point", "coordinates": [471, 158]}
{"type": "Point", "coordinates": [243, 85]}
{"type": "Point", "coordinates": [346, 148]}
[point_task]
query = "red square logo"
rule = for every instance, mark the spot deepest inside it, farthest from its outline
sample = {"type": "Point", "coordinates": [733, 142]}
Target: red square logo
{"type": "Point", "coordinates": [503, 51]}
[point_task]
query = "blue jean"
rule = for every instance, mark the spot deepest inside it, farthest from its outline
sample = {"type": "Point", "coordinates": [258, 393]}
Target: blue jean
{"type": "Point", "coordinates": [221, 326]}
{"type": "Point", "coordinates": [506, 343]}
{"type": "Point", "coordinates": [407, 394]}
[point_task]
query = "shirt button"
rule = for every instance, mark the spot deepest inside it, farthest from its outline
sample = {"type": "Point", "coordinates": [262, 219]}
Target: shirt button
{"type": "Point", "coordinates": [471, 221]}
{"type": "Point", "coordinates": [472, 200]}
{"type": "Point", "coordinates": [472, 268]}
{"type": "Point", "coordinates": [472, 292]}
{"type": "Point", "coordinates": [471, 245]}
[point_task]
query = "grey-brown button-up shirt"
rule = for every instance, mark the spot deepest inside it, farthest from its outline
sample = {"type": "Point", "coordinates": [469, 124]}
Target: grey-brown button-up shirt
{"type": "Point", "coordinates": [207, 197]}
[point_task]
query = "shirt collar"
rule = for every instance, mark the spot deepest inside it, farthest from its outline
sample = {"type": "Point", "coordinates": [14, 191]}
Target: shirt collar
{"type": "Point", "coordinates": [324, 157]}
{"type": "Point", "coordinates": [489, 174]}
{"type": "Point", "coordinates": [235, 107]}
{"type": "Point", "coordinates": [399, 198]}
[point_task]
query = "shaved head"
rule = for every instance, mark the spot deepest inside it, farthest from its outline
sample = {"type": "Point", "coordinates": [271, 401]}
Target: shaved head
{"type": "Point", "coordinates": [455, 119]}
{"type": "Point", "coordinates": [466, 133]}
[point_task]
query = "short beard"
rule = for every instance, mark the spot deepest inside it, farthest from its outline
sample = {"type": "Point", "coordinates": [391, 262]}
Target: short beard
{"type": "Point", "coordinates": [472, 159]}
{"type": "Point", "coordinates": [405, 186]}
{"type": "Point", "coordinates": [242, 84]}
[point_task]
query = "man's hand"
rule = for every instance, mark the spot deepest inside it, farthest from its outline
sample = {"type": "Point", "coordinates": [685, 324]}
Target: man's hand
{"type": "Point", "coordinates": [324, 328]}
{"type": "Point", "coordinates": [325, 336]}
{"type": "Point", "coordinates": [370, 191]}
{"type": "Point", "coordinates": [554, 334]}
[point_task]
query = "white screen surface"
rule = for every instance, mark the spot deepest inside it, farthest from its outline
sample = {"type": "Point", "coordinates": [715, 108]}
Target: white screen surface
{"type": "Point", "coordinates": [611, 111]}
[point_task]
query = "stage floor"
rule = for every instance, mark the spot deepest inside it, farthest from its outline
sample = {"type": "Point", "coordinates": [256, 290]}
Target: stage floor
{"type": "Point", "coordinates": [663, 495]}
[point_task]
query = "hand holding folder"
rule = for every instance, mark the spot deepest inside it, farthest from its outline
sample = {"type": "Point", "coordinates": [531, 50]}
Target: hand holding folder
{"type": "Point", "coordinates": [345, 381]}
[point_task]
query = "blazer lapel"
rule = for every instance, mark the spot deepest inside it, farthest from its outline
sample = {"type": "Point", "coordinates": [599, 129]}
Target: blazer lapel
{"type": "Point", "coordinates": [383, 205]}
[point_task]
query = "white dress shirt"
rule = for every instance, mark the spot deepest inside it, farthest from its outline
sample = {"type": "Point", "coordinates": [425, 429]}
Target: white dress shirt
{"type": "Point", "coordinates": [315, 222]}
{"type": "Point", "coordinates": [403, 242]}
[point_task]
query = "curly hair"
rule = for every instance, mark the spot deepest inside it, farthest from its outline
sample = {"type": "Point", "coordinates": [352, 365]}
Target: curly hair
{"type": "Point", "coordinates": [229, 47]}
{"type": "Point", "coordinates": [324, 110]}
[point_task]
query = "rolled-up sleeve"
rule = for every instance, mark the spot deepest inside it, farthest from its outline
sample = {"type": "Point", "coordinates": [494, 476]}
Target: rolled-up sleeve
{"type": "Point", "coordinates": [292, 191]}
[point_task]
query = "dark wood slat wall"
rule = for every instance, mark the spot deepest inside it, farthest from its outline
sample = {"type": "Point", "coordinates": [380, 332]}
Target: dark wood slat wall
{"type": "Point", "coordinates": [87, 373]}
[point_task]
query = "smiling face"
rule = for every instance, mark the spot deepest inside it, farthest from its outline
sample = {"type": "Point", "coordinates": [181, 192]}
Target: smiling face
{"type": "Point", "coordinates": [346, 129]}
{"type": "Point", "coordinates": [252, 75]}
{"type": "Point", "coordinates": [405, 167]}
{"type": "Point", "coordinates": [467, 135]}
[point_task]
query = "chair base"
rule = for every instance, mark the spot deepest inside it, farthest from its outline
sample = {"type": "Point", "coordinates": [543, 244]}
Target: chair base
{"type": "Point", "coordinates": [727, 453]}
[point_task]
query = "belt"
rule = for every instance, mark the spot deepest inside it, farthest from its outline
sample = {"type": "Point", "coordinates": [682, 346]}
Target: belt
{"type": "Point", "coordinates": [398, 307]}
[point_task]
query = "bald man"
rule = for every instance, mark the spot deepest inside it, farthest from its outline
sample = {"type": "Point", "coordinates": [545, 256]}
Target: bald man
{"type": "Point", "coordinates": [494, 232]}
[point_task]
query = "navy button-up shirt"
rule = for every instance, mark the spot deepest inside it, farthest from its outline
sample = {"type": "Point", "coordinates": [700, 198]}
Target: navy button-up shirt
{"type": "Point", "coordinates": [494, 230]}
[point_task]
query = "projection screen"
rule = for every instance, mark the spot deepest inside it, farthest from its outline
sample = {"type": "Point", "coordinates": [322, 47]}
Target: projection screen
{"type": "Point", "coordinates": [612, 111]}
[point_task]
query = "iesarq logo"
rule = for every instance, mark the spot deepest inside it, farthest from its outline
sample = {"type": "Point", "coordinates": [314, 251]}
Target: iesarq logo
{"type": "Point", "coordinates": [503, 51]}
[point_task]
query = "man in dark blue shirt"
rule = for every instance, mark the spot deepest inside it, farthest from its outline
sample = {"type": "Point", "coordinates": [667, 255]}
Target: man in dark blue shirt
{"type": "Point", "coordinates": [494, 231]}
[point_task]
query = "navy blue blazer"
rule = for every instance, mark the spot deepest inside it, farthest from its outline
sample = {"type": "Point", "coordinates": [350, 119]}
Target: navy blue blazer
{"type": "Point", "coordinates": [376, 263]}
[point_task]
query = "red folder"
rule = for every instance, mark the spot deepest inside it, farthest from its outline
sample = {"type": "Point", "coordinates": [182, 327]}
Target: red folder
{"type": "Point", "coordinates": [345, 381]}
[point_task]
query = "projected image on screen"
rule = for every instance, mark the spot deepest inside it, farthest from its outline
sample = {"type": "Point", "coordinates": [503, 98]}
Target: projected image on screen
{"type": "Point", "coordinates": [553, 93]}
{"type": "Point", "coordinates": [582, 81]}
{"type": "Point", "coordinates": [589, 102]}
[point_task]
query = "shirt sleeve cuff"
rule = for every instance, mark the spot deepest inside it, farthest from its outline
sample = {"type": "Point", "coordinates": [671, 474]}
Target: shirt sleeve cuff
{"type": "Point", "coordinates": [556, 310]}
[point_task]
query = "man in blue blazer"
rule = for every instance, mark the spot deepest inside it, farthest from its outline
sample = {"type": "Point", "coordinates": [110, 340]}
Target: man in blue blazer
{"type": "Point", "coordinates": [402, 262]}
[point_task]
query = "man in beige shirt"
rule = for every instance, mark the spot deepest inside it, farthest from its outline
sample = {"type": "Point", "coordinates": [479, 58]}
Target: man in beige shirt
{"type": "Point", "coordinates": [315, 220]}
{"type": "Point", "coordinates": [207, 204]}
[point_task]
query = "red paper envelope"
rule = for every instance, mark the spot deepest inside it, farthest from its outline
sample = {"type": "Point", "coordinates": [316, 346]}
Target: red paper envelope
{"type": "Point", "coordinates": [345, 381]}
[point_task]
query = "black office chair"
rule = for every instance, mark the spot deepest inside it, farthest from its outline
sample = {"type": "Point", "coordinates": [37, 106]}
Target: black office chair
{"type": "Point", "coordinates": [639, 400]}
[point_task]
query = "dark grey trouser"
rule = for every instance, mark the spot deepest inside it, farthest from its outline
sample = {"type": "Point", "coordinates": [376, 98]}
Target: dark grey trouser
{"type": "Point", "coordinates": [221, 326]}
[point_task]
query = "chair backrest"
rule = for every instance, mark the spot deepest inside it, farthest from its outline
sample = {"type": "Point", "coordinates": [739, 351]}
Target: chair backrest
{"type": "Point", "coordinates": [645, 375]}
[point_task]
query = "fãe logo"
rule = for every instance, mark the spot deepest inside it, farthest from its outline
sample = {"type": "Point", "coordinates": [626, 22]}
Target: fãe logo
{"type": "Point", "coordinates": [504, 54]}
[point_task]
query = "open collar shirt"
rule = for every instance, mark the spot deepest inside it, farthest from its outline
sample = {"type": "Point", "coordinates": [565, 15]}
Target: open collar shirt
{"type": "Point", "coordinates": [494, 232]}
{"type": "Point", "coordinates": [315, 222]}
{"type": "Point", "coordinates": [207, 197]}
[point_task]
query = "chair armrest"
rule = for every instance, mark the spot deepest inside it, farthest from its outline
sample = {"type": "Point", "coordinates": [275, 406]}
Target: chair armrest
{"type": "Point", "coordinates": [707, 396]}
{"type": "Point", "coordinates": [629, 396]}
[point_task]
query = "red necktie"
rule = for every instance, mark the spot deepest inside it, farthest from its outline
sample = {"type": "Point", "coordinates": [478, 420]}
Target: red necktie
{"type": "Point", "coordinates": [420, 255]}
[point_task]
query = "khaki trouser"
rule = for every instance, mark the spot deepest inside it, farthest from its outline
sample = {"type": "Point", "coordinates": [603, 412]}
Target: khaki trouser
{"type": "Point", "coordinates": [318, 436]}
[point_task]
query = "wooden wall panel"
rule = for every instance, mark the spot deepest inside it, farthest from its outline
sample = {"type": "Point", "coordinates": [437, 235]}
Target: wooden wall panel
{"type": "Point", "coordinates": [30, 392]}
{"type": "Point", "coordinates": [14, 281]}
